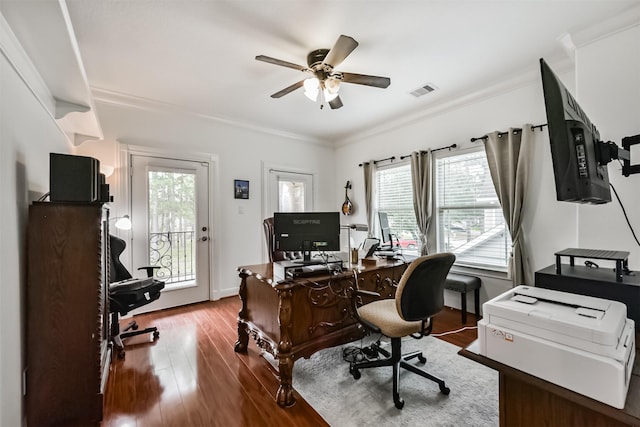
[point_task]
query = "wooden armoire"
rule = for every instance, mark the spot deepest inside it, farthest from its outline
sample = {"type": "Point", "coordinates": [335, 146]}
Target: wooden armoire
{"type": "Point", "coordinates": [68, 350]}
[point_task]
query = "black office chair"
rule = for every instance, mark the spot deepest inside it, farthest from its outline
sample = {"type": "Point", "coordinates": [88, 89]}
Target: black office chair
{"type": "Point", "coordinates": [275, 255]}
{"type": "Point", "coordinates": [126, 294]}
{"type": "Point", "coordinates": [419, 296]}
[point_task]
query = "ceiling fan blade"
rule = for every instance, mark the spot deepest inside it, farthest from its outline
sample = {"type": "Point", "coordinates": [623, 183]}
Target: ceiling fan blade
{"type": "Point", "coordinates": [275, 61]}
{"type": "Point", "coordinates": [335, 103]}
{"type": "Point", "coordinates": [340, 50]}
{"type": "Point", "coordinates": [288, 89]}
{"type": "Point", "coordinates": [363, 79]}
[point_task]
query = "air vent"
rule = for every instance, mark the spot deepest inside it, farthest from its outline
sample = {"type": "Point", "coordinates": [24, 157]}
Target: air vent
{"type": "Point", "coordinates": [423, 90]}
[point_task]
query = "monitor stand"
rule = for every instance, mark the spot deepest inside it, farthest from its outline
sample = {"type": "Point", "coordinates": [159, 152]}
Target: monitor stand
{"type": "Point", "coordinates": [306, 254]}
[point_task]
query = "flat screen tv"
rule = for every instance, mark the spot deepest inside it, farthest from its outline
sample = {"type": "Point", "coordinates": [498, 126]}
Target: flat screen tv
{"type": "Point", "coordinates": [576, 150]}
{"type": "Point", "coordinates": [307, 232]}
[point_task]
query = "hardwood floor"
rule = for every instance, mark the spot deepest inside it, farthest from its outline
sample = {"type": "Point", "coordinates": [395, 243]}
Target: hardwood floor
{"type": "Point", "coordinates": [191, 375]}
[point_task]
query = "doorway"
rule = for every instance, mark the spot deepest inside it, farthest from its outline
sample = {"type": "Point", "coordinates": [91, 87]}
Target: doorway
{"type": "Point", "coordinates": [170, 226]}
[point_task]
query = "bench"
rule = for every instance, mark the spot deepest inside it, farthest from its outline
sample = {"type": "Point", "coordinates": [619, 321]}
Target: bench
{"type": "Point", "coordinates": [463, 283]}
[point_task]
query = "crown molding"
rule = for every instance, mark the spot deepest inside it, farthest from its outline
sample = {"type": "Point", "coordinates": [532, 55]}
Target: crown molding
{"type": "Point", "coordinates": [150, 105]}
{"type": "Point", "coordinates": [457, 101]}
{"type": "Point", "coordinates": [623, 21]}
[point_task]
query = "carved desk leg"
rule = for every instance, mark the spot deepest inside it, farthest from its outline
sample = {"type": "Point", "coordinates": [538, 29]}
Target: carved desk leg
{"type": "Point", "coordinates": [243, 335]}
{"type": "Point", "coordinates": [284, 396]}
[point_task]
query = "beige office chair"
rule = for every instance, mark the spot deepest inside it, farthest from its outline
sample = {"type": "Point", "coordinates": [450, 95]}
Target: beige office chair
{"type": "Point", "coordinates": [419, 296]}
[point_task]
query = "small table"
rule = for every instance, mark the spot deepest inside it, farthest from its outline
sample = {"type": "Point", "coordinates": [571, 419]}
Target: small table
{"type": "Point", "coordinates": [620, 257]}
{"type": "Point", "coordinates": [526, 400]}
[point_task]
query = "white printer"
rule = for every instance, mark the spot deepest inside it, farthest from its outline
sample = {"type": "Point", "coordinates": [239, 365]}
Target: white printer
{"type": "Point", "coordinates": [582, 343]}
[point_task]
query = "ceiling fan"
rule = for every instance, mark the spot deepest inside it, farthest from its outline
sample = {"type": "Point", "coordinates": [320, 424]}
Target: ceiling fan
{"type": "Point", "coordinates": [324, 82]}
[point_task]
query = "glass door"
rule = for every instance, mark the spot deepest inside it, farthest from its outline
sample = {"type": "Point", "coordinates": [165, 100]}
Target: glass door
{"type": "Point", "coordinates": [170, 213]}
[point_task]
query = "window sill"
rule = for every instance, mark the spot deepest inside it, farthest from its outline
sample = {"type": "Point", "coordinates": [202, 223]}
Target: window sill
{"type": "Point", "coordinates": [482, 272]}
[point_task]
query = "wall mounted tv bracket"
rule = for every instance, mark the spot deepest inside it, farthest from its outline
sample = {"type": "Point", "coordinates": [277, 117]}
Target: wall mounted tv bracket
{"type": "Point", "coordinates": [608, 151]}
{"type": "Point", "coordinates": [627, 167]}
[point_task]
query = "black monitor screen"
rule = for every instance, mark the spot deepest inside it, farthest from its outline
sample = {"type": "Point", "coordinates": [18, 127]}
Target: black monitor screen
{"type": "Point", "coordinates": [307, 231]}
{"type": "Point", "coordinates": [579, 174]}
{"type": "Point", "coordinates": [385, 229]}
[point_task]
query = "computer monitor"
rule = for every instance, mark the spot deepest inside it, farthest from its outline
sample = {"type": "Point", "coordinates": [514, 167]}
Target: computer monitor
{"type": "Point", "coordinates": [307, 232]}
{"type": "Point", "coordinates": [579, 157]}
{"type": "Point", "coordinates": [385, 229]}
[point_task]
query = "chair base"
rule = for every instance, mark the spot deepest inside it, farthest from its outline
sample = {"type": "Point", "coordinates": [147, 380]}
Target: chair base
{"type": "Point", "coordinates": [130, 331]}
{"type": "Point", "coordinates": [397, 360]}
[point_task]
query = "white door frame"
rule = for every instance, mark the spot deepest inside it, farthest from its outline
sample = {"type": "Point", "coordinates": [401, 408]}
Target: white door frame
{"type": "Point", "coordinates": [123, 201]}
{"type": "Point", "coordinates": [266, 190]}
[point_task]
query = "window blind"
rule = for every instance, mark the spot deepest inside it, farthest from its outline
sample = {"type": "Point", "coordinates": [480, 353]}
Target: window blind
{"type": "Point", "coordinates": [394, 195]}
{"type": "Point", "coordinates": [469, 215]}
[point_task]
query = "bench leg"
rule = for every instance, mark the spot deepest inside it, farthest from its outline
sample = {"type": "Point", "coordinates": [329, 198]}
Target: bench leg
{"type": "Point", "coordinates": [476, 294]}
{"type": "Point", "coordinates": [463, 303]}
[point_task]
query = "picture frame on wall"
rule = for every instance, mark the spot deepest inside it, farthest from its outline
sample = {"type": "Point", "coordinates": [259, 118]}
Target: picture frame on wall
{"type": "Point", "coordinates": [240, 189]}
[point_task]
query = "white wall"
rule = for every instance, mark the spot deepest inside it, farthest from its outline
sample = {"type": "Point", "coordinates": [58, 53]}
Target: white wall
{"type": "Point", "coordinates": [237, 229]}
{"type": "Point", "coordinates": [608, 90]}
{"type": "Point", "coordinates": [28, 133]}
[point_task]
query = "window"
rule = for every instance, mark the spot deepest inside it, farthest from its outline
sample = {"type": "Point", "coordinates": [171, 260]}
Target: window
{"type": "Point", "coordinates": [288, 191]}
{"type": "Point", "coordinates": [469, 217]}
{"type": "Point", "coordinates": [394, 196]}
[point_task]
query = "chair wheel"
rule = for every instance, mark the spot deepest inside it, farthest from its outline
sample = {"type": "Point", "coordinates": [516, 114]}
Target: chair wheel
{"type": "Point", "coordinates": [445, 390]}
{"type": "Point", "coordinates": [422, 359]}
{"type": "Point", "coordinates": [134, 326]}
{"type": "Point", "coordinates": [156, 335]}
{"type": "Point", "coordinates": [354, 372]}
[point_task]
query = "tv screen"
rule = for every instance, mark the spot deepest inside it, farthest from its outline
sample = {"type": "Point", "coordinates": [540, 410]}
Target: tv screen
{"type": "Point", "coordinates": [580, 175]}
{"type": "Point", "coordinates": [307, 231]}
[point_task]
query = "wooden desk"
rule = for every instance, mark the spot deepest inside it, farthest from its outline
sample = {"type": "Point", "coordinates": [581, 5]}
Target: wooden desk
{"type": "Point", "coordinates": [296, 318]}
{"type": "Point", "coordinates": [526, 400]}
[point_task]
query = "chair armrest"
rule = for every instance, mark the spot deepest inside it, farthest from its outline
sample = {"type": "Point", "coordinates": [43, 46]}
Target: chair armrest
{"type": "Point", "coordinates": [355, 295]}
{"type": "Point", "coordinates": [150, 269]}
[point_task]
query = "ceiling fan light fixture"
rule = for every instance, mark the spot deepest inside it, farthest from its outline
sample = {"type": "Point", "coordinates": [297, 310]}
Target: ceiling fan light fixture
{"type": "Point", "coordinates": [312, 88]}
{"type": "Point", "coordinates": [332, 85]}
{"type": "Point", "coordinates": [331, 88]}
{"type": "Point", "coordinates": [328, 96]}
{"type": "Point", "coordinates": [326, 81]}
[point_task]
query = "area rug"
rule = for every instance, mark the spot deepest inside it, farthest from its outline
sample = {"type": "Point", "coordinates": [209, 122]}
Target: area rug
{"type": "Point", "coordinates": [324, 381]}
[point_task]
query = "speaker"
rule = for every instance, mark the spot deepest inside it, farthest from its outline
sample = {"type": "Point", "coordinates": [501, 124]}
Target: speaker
{"type": "Point", "coordinates": [74, 179]}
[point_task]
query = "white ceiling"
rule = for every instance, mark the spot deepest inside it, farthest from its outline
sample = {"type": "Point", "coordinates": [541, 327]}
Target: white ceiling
{"type": "Point", "coordinates": [199, 55]}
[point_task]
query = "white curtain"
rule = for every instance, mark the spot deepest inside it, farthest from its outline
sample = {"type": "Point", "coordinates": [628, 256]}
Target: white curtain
{"type": "Point", "coordinates": [421, 179]}
{"type": "Point", "coordinates": [369, 174]}
{"type": "Point", "coordinates": [509, 157]}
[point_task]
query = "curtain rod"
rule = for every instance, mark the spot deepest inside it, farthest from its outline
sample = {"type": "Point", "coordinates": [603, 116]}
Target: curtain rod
{"type": "Point", "coordinates": [448, 147]}
{"type": "Point", "coordinates": [392, 158]}
{"type": "Point", "coordinates": [500, 134]}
